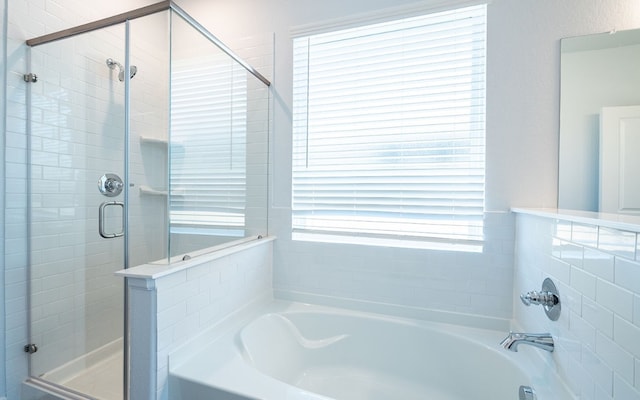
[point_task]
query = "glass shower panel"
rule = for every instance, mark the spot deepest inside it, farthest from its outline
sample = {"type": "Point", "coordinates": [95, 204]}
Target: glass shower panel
{"type": "Point", "coordinates": [77, 119]}
{"type": "Point", "coordinates": [149, 138]}
{"type": "Point", "coordinates": [218, 145]}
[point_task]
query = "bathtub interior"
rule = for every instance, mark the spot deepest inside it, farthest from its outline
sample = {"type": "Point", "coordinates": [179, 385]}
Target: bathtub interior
{"type": "Point", "coordinates": [312, 351]}
{"type": "Point", "coordinates": [295, 351]}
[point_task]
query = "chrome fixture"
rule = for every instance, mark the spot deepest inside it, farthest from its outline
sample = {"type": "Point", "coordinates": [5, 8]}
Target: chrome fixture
{"type": "Point", "coordinates": [101, 219]}
{"type": "Point", "coordinates": [30, 78]}
{"type": "Point", "coordinates": [110, 185]}
{"type": "Point", "coordinates": [527, 393]}
{"type": "Point", "coordinates": [548, 297]}
{"type": "Point", "coordinates": [30, 348]}
{"type": "Point", "coordinates": [542, 341]}
{"type": "Point", "coordinates": [112, 64]}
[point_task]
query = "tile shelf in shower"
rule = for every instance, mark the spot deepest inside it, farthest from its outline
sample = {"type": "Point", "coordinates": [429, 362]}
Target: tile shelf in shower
{"type": "Point", "coordinates": [153, 140]}
{"type": "Point", "coordinates": [146, 190]}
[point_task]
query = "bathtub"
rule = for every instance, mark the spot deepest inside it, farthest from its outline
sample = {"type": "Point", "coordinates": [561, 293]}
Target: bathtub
{"type": "Point", "coordinates": [291, 351]}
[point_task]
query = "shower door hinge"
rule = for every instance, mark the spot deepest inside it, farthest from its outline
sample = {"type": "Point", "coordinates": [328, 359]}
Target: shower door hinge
{"type": "Point", "coordinates": [30, 78]}
{"type": "Point", "coordinates": [30, 348]}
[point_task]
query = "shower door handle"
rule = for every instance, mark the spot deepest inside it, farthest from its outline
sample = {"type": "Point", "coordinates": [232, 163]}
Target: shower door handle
{"type": "Point", "coordinates": [101, 212]}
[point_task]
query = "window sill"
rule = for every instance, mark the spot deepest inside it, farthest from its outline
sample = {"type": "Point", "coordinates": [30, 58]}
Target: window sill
{"type": "Point", "coordinates": [388, 242]}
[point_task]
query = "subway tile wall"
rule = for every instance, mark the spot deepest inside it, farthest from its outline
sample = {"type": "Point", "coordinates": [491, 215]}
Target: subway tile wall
{"type": "Point", "coordinates": [190, 301]}
{"type": "Point", "coordinates": [597, 272]}
{"type": "Point", "coordinates": [74, 295]}
{"type": "Point", "coordinates": [149, 119]}
{"type": "Point", "coordinates": [65, 152]}
{"type": "Point", "coordinates": [444, 281]}
{"type": "Point", "coordinates": [77, 136]}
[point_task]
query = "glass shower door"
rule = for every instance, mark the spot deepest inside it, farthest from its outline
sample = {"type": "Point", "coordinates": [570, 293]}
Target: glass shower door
{"type": "Point", "coordinates": [77, 164]}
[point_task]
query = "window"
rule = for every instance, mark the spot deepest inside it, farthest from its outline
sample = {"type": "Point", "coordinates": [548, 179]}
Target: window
{"type": "Point", "coordinates": [389, 130]}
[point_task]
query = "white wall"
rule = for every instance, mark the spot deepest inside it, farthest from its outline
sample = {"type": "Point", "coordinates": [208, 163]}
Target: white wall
{"type": "Point", "coordinates": [597, 273]}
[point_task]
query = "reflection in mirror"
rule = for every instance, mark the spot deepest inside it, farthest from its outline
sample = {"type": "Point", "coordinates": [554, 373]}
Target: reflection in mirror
{"type": "Point", "coordinates": [600, 71]}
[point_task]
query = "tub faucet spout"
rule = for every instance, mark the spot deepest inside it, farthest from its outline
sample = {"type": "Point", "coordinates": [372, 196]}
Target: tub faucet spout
{"type": "Point", "coordinates": [542, 341]}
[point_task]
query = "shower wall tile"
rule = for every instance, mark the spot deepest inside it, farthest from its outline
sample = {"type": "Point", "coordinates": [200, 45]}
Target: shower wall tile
{"type": "Point", "coordinates": [599, 296]}
{"type": "Point", "coordinates": [30, 19]}
{"type": "Point", "coordinates": [618, 242]}
{"type": "Point", "coordinates": [627, 274]}
{"type": "Point", "coordinates": [599, 263]}
{"type": "Point", "coordinates": [586, 235]}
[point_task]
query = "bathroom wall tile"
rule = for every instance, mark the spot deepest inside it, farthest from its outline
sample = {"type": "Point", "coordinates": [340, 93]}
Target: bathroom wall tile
{"type": "Point", "coordinates": [623, 390]}
{"type": "Point", "coordinates": [192, 302]}
{"type": "Point", "coordinates": [586, 235]}
{"type": "Point", "coordinates": [175, 312]}
{"type": "Point", "coordinates": [572, 254]}
{"type": "Point", "coordinates": [586, 387]}
{"type": "Point", "coordinates": [599, 371]}
{"type": "Point", "coordinates": [571, 300]}
{"type": "Point", "coordinates": [627, 336]}
{"type": "Point", "coordinates": [583, 282]}
{"type": "Point", "coordinates": [601, 394]}
{"type": "Point", "coordinates": [563, 229]}
{"type": "Point", "coordinates": [582, 330]}
{"type": "Point", "coordinates": [621, 361]}
{"type": "Point", "coordinates": [559, 269]}
{"type": "Point", "coordinates": [636, 310]}
{"type": "Point", "coordinates": [599, 263]}
{"type": "Point", "coordinates": [598, 316]}
{"type": "Point", "coordinates": [616, 299]}
{"type": "Point", "coordinates": [627, 274]}
{"type": "Point", "coordinates": [617, 242]}
{"type": "Point", "coordinates": [568, 360]}
{"type": "Point", "coordinates": [556, 247]}
{"type": "Point", "coordinates": [637, 378]}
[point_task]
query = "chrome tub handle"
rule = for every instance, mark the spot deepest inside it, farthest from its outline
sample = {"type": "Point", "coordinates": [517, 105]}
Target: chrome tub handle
{"type": "Point", "coordinates": [101, 210]}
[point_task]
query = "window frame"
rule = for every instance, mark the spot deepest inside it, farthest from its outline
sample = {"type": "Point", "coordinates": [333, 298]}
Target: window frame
{"type": "Point", "coordinates": [394, 240]}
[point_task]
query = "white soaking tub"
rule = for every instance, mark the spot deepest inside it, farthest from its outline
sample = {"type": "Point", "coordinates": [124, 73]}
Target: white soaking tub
{"type": "Point", "coordinates": [295, 351]}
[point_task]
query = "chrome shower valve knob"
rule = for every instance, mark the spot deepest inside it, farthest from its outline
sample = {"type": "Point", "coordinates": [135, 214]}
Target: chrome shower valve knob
{"type": "Point", "coordinates": [547, 299]}
{"type": "Point", "coordinates": [110, 185]}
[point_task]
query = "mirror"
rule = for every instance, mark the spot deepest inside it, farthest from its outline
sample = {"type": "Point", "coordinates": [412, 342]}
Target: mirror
{"type": "Point", "coordinates": [597, 71]}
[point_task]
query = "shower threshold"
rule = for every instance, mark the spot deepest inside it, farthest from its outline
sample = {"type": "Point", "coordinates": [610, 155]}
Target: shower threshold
{"type": "Point", "coordinates": [98, 374]}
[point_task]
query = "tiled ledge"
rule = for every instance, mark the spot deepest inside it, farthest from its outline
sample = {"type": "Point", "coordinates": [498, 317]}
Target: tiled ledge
{"type": "Point", "coordinates": [154, 271]}
{"type": "Point", "coordinates": [617, 221]}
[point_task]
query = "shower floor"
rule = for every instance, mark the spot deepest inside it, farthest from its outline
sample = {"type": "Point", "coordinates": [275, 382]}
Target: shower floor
{"type": "Point", "coordinates": [98, 374]}
{"type": "Point", "coordinates": [102, 380]}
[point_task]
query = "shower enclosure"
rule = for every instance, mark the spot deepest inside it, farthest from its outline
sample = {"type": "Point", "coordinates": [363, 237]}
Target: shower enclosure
{"type": "Point", "coordinates": [148, 143]}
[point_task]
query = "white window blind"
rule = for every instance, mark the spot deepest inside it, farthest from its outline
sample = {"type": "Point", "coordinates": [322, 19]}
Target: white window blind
{"type": "Point", "coordinates": [208, 144]}
{"type": "Point", "coordinates": [389, 129]}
